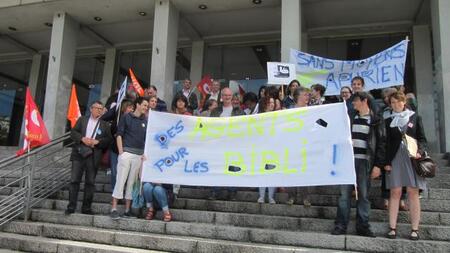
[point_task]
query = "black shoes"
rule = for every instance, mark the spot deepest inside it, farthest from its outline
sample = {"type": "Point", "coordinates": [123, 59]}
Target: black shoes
{"type": "Point", "coordinates": [232, 196]}
{"type": "Point", "coordinates": [114, 215]}
{"type": "Point", "coordinates": [87, 211]}
{"type": "Point", "coordinates": [365, 232]}
{"type": "Point", "coordinates": [361, 232]}
{"type": "Point", "coordinates": [69, 211]}
{"type": "Point", "coordinates": [128, 214]}
{"type": "Point", "coordinates": [338, 231]}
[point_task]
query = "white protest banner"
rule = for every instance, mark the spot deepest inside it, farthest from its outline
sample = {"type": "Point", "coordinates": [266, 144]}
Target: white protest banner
{"type": "Point", "coordinates": [295, 147]}
{"type": "Point", "coordinates": [382, 70]}
{"type": "Point", "coordinates": [280, 73]}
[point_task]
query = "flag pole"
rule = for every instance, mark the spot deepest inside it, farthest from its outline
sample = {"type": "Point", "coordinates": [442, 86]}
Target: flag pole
{"type": "Point", "coordinates": [28, 152]}
{"type": "Point", "coordinates": [118, 114]}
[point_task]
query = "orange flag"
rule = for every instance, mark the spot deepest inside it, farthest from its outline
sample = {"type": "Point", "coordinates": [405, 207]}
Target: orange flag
{"type": "Point", "coordinates": [136, 85]}
{"type": "Point", "coordinates": [35, 132]}
{"type": "Point", "coordinates": [73, 113]}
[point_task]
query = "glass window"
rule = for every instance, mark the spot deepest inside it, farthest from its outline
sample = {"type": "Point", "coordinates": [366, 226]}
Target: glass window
{"type": "Point", "coordinates": [13, 79]}
{"type": "Point", "coordinates": [87, 76]}
{"type": "Point", "coordinates": [140, 62]}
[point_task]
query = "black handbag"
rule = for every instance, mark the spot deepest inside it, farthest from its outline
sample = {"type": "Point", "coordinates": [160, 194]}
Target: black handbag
{"type": "Point", "coordinates": [84, 150]}
{"type": "Point", "coordinates": [424, 166]}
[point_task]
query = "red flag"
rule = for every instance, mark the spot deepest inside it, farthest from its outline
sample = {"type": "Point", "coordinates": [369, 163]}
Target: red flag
{"type": "Point", "coordinates": [204, 87]}
{"type": "Point", "coordinates": [35, 131]}
{"type": "Point", "coordinates": [241, 90]}
{"type": "Point", "coordinates": [136, 85]}
{"type": "Point", "coordinates": [73, 113]}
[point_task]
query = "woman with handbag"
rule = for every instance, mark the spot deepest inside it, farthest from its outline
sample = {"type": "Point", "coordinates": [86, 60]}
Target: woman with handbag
{"type": "Point", "coordinates": [405, 140]}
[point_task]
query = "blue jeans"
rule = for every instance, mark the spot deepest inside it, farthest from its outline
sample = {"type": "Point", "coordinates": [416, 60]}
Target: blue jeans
{"type": "Point", "coordinates": [362, 205]}
{"type": "Point", "coordinates": [262, 192]}
{"type": "Point", "coordinates": [113, 156]}
{"type": "Point", "coordinates": [158, 192]}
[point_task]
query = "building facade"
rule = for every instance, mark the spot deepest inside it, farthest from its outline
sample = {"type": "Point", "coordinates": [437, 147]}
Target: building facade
{"type": "Point", "coordinates": [49, 44]}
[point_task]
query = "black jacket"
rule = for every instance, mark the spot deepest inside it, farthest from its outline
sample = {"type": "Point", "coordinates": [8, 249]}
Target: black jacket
{"type": "Point", "coordinates": [161, 106]}
{"type": "Point", "coordinates": [217, 111]}
{"type": "Point", "coordinates": [376, 142]}
{"type": "Point", "coordinates": [192, 99]}
{"type": "Point", "coordinates": [103, 136]}
{"type": "Point", "coordinates": [111, 117]}
{"type": "Point", "coordinates": [394, 137]}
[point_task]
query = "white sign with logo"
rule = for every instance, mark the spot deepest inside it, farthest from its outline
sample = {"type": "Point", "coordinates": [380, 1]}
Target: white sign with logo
{"type": "Point", "coordinates": [280, 73]}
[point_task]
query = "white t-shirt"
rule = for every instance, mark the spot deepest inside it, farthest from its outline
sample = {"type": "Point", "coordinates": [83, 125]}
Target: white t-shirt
{"type": "Point", "coordinates": [90, 127]}
{"type": "Point", "coordinates": [214, 96]}
{"type": "Point", "coordinates": [227, 111]}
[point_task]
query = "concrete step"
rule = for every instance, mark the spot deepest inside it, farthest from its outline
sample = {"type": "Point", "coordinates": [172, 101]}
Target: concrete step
{"type": "Point", "coordinates": [428, 204]}
{"type": "Point", "coordinates": [28, 243]}
{"type": "Point", "coordinates": [251, 194]}
{"type": "Point", "coordinates": [227, 221]}
{"type": "Point", "coordinates": [9, 251]}
{"type": "Point", "coordinates": [262, 216]}
{"type": "Point", "coordinates": [181, 243]}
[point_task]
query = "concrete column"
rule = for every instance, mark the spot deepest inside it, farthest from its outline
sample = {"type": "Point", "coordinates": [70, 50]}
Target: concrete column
{"type": "Point", "coordinates": [60, 70]}
{"type": "Point", "coordinates": [423, 71]}
{"type": "Point", "coordinates": [165, 38]}
{"type": "Point", "coordinates": [198, 49]}
{"type": "Point", "coordinates": [109, 74]}
{"type": "Point", "coordinates": [441, 44]}
{"type": "Point", "coordinates": [291, 23]}
{"type": "Point", "coordinates": [34, 73]}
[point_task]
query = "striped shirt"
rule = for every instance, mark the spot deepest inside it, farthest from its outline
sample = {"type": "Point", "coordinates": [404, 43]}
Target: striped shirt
{"type": "Point", "coordinates": [360, 136]}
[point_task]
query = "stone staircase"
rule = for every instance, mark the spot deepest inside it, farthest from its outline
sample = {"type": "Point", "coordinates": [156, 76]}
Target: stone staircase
{"type": "Point", "coordinates": [7, 151]}
{"type": "Point", "coordinates": [202, 225]}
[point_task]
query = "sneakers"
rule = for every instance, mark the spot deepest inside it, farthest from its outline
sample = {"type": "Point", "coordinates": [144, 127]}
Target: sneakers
{"type": "Point", "coordinates": [114, 215]}
{"type": "Point", "coordinates": [261, 200]}
{"type": "Point", "coordinates": [306, 203]}
{"type": "Point", "coordinates": [128, 214]}
{"type": "Point", "coordinates": [290, 201]}
{"type": "Point", "coordinates": [365, 232]}
{"type": "Point", "coordinates": [272, 201]}
{"type": "Point", "coordinates": [338, 231]}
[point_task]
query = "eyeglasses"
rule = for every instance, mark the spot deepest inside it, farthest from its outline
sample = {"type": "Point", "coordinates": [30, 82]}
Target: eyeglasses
{"type": "Point", "coordinates": [98, 108]}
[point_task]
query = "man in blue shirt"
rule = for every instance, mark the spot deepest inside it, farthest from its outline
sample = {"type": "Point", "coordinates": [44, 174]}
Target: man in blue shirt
{"type": "Point", "coordinates": [130, 145]}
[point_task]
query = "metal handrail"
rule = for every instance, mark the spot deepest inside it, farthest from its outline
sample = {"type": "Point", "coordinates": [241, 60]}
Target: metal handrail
{"type": "Point", "coordinates": [34, 176]}
{"type": "Point", "coordinates": [14, 158]}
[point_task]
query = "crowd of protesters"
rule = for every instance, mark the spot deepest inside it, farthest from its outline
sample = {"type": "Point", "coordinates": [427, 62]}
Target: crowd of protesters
{"type": "Point", "coordinates": [377, 127]}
